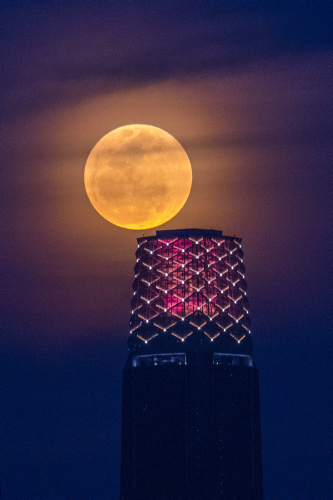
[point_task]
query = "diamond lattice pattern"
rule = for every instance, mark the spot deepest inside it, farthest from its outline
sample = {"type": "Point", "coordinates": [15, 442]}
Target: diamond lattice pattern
{"type": "Point", "coordinates": [189, 285]}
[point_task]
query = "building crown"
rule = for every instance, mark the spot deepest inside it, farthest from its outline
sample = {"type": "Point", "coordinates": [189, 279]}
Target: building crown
{"type": "Point", "coordinates": [190, 289]}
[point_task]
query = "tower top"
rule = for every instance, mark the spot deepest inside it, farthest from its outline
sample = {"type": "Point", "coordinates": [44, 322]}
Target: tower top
{"type": "Point", "coordinates": [183, 233]}
{"type": "Point", "coordinates": [189, 292]}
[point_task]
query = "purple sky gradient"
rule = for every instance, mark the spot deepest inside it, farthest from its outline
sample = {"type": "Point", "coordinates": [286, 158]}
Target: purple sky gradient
{"type": "Point", "coordinates": [245, 88]}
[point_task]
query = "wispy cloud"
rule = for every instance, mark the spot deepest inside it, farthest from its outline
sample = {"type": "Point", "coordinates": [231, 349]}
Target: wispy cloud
{"type": "Point", "coordinates": [158, 41]}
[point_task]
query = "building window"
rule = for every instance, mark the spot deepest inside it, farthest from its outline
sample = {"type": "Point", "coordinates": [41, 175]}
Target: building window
{"type": "Point", "coordinates": [230, 359]}
{"type": "Point", "coordinates": [160, 359]}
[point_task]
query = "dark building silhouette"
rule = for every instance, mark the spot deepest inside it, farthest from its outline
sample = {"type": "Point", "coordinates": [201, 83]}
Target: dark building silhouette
{"type": "Point", "coordinates": [191, 423]}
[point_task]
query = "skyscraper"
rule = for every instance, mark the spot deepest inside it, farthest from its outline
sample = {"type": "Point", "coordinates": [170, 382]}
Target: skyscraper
{"type": "Point", "coordinates": [191, 423]}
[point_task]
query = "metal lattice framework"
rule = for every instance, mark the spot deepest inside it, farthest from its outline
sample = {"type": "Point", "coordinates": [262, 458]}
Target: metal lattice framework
{"type": "Point", "coordinates": [193, 285]}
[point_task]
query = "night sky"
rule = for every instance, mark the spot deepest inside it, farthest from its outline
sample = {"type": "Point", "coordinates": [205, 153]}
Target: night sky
{"type": "Point", "coordinates": [245, 87]}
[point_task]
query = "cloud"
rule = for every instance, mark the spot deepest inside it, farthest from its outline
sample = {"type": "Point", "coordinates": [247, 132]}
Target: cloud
{"type": "Point", "coordinates": [112, 47]}
{"type": "Point", "coordinates": [231, 42]}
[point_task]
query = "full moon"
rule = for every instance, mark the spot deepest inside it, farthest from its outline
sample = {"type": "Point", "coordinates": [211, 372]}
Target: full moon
{"type": "Point", "coordinates": [138, 177]}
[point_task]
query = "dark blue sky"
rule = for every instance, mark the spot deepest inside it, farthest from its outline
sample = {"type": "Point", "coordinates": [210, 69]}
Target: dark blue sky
{"type": "Point", "coordinates": [245, 88]}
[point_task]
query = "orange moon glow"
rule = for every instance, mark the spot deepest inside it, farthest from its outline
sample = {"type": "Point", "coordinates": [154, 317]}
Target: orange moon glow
{"type": "Point", "coordinates": [138, 177]}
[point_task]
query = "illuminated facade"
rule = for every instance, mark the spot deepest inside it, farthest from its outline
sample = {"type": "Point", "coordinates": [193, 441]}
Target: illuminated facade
{"type": "Point", "coordinates": [191, 424]}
